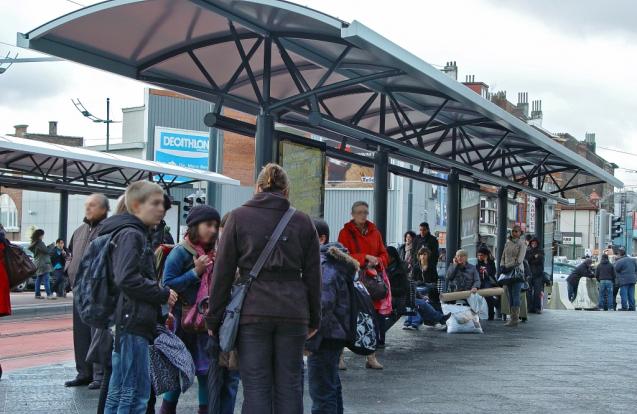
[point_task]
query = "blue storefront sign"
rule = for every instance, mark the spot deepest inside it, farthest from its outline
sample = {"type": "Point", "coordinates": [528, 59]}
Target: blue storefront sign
{"type": "Point", "coordinates": [183, 148]}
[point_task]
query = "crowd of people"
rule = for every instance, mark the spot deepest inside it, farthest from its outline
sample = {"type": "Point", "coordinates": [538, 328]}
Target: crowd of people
{"type": "Point", "coordinates": [300, 302]}
{"type": "Point", "coordinates": [613, 278]}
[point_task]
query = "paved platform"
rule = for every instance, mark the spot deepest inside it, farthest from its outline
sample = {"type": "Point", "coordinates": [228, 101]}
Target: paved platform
{"type": "Point", "coordinates": [559, 362]}
{"type": "Point", "coordinates": [24, 304]}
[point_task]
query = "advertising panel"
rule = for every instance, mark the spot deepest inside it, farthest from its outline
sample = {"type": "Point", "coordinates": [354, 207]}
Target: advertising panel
{"type": "Point", "coordinates": [305, 166]}
{"type": "Point", "coordinates": [181, 147]}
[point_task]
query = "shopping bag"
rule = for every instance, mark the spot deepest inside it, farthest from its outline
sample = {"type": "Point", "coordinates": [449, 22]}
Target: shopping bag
{"type": "Point", "coordinates": [462, 320]}
{"type": "Point", "coordinates": [479, 305]}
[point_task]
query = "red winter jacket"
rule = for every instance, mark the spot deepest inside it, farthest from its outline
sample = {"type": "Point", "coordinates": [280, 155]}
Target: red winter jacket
{"type": "Point", "coordinates": [359, 246]}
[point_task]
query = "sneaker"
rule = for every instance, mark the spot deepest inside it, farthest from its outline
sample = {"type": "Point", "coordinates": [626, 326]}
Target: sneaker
{"type": "Point", "coordinates": [409, 328]}
{"type": "Point", "coordinates": [445, 318]}
{"type": "Point", "coordinates": [440, 327]}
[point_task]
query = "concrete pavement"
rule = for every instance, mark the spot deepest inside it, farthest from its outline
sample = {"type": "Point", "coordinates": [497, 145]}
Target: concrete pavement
{"type": "Point", "coordinates": [24, 304]}
{"type": "Point", "coordinates": [560, 362]}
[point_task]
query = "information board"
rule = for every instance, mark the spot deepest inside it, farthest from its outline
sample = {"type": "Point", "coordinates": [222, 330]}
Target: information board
{"type": "Point", "coordinates": [184, 148]}
{"type": "Point", "coordinates": [305, 166]}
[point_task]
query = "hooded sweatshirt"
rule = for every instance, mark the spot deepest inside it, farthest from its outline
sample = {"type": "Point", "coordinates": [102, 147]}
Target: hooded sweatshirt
{"type": "Point", "coordinates": [139, 304]}
{"type": "Point", "coordinates": [605, 270]}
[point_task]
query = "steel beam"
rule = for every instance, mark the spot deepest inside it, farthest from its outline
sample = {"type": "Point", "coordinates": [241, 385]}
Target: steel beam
{"type": "Point", "coordinates": [453, 215]}
{"type": "Point", "coordinates": [502, 222]}
{"type": "Point", "coordinates": [381, 187]}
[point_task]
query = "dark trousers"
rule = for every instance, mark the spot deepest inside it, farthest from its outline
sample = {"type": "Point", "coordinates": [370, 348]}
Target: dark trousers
{"type": "Point", "coordinates": [59, 283]}
{"type": "Point", "coordinates": [82, 336]}
{"type": "Point", "coordinates": [270, 361]}
{"type": "Point", "coordinates": [536, 288]}
{"type": "Point", "coordinates": [324, 381]}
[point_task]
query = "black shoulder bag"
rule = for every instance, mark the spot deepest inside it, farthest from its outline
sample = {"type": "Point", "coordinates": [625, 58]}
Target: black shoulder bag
{"type": "Point", "coordinates": [374, 284]}
{"type": "Point", "coordinates": [230, 325]}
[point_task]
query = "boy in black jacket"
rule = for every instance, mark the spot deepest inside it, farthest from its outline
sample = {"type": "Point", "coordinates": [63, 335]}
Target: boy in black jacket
{"type": "Point", "coordinates": [338, 269]}
{"type": "Point", "coordinates": [138, 307]}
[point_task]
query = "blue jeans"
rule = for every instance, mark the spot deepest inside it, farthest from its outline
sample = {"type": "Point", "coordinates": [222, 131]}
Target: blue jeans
{"type": "Point", "coordinates": [129, 388]}
{"type": "Point", "coordinates": [627, 293]}
{"type": "Point", "coordinates": [514, 294]}
{"type": "Point", "coordinates": [426, 312]}
{"type": "Point", "coordinates": [606, 299]}
{"type": "Point", "coordinates": [324, 382]}
{"type": "Point", "coordinates": [43, 278]}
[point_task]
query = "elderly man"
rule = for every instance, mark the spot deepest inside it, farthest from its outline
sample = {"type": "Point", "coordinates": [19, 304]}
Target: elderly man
{"type": "Point", "coordinates": [96, 210]}
{"type": "Point", "coordinates": [462, 275]}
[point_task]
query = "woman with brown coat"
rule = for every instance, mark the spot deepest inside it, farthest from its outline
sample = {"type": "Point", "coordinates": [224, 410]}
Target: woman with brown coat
{"type": "Point", "coordinates": [283, 305]}
{"type": "Point", "coordinates": [512, 258]}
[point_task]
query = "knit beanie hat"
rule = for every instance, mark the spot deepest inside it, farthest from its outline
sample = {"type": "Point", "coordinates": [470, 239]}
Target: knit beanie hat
{"type": "Point", "coordinates": [201, 213]}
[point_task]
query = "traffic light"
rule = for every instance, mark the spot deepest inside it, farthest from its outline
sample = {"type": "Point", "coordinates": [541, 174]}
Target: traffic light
{"type": "Point", "coordinates": [194, 199]}
{"type": "Point", "coordinates": [616, 227]}
{"type": "Point", "coordinates": [189, 203]}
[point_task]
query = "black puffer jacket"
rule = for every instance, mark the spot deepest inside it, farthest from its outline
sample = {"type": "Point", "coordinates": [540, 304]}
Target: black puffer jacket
{"type": "Point", "coordinates": [139, 305]}
{"type": "Point", "coordinates": [535, 257]}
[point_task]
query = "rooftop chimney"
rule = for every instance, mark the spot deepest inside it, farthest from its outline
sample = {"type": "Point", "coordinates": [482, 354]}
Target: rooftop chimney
{"type": "Point", "coordinates": [53, 128]}
{"type": "Point", "coordinates": [523, 103]}
{"type": "Point", "coordinates": [21, 130]}
{"type": "Point", "coordinates": [589, 139]}
{"type": "Point", "coordinates": [451, 70]}
{"type": "Point", "coordinates": [536, 113]}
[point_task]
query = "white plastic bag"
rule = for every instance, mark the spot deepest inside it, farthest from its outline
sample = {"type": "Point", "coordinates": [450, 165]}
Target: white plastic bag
{"type": "Point", "coordinates": [479, 305]}
{"type": "Point", "coordinates": [462, 320]}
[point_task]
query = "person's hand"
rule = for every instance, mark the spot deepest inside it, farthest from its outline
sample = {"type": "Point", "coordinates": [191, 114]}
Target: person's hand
{"type": "Point", "coordinates": [474, 290]}
{"type": "Point", "coordinates": [170, 321]}
{"type": "Point", "coordinates": [201, 263]}
{"type": "Point", "coordinates": [311, 333]}
{"type": "Point", "coordinates": [537, 255]}
{"type": "Point", "coordinates": [211, 334]}
{"type": "Point", "coordinates": [455, 261]}
{"type": "Point", "coordinates": [172, 297]}
{"type": "Point", "coordinates": [373, 260]}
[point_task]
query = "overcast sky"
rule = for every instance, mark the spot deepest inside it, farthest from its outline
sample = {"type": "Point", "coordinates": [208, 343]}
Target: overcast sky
{"type": "Point", "coordinates": [577, 56]}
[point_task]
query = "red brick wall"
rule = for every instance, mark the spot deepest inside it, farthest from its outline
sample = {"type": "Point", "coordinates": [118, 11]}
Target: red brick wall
{"type": "Point", "coordinates": [238, 151]}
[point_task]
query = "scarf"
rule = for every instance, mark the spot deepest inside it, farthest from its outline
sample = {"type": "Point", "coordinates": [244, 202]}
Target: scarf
{"type": "Point", "coordinates": [201, 252]}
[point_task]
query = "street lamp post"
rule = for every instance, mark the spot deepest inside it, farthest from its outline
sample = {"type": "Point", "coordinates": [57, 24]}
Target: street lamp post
{"type": "Point", "coordinates": [108, 121]}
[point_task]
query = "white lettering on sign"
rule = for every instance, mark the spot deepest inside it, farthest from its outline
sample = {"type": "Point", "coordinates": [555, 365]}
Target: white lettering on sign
{"type": "Point", "coordinates": [177, 142]}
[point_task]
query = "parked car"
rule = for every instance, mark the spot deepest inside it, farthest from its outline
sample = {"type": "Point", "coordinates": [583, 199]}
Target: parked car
{"type": "Point", "coordinates": [29, 283]}
{"type": "Point", "coordinates": [561, 271]}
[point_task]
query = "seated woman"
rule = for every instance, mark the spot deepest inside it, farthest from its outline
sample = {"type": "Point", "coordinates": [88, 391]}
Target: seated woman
{"type": "Point", "coordinates": [427, 295]}
{"type": "Point", "coordinates": [399, 283]}
{"type": "Point", "coordinates": [487, 272]}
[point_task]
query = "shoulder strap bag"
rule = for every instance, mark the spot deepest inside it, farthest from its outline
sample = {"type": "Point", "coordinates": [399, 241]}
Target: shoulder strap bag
{"type": "Point", "coordinates": [230, 325]}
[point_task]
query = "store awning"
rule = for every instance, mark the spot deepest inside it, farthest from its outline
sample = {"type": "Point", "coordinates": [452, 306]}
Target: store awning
{"type": "Point", "coordinates": [314, 72]}
{"type": "Point", "coordinates": [30, 164]}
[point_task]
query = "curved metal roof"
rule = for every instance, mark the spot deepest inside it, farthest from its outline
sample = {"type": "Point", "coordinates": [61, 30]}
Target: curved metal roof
{"type": "Point", "coordinates": [28, 162]}
{"type": "Point", "coordinates": [314, 72]}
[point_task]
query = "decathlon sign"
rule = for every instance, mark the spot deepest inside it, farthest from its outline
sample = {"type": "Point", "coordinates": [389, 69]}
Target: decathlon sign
{"type": "Point", "coordinates": [182, 147]}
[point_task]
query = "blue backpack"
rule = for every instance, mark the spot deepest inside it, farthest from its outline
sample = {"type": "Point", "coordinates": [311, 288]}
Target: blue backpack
{"type": "Point", "coordinates": [95, 294]}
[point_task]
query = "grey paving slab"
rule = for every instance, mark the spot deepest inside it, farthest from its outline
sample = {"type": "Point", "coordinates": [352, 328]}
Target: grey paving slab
{"type": "Point", "coordinates": [560, 362]}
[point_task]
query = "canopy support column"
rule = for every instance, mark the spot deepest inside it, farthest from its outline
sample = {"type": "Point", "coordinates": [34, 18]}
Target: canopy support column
{"type": "Point", "coordinates": [503, 220]}
{"type": "Point", "coordinates": [64, 216]}
{"type": "Point", "coordinates": [539, 221]}
{"type": "Point", "coordinates": [266, 147]}
{"type": "Point", "coordinates": [453, 215]}
{"type": "Point", "coordinates": [381, 187]}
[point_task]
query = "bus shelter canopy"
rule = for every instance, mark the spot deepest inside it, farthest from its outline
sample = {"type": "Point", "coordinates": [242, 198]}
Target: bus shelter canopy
{"type": "Point", "coordinates": [30, 164]}
{"type": "Point", "coordinates": [323, 75]}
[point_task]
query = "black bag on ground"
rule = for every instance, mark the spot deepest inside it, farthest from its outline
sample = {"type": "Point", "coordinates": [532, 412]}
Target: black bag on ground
{"type": "Point", "coordinates": [363, 321]}
{"type": "Point", "coordinates": [95, 293]}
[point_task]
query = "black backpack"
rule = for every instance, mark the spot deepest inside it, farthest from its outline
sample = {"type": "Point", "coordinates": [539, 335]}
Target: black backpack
{"type": "Point", "coordinates": [363, 321]}
{"type": "Point", "coordinates": [95, 294]}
